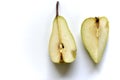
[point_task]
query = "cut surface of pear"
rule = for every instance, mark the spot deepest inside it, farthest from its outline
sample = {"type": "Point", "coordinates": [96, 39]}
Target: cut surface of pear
{"type": "Point", "coordinates": [94, 32]}
{"type": "Point", "coordinates": [62, 47]}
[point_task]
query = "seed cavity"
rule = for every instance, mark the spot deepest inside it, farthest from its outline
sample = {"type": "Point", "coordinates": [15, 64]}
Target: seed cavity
{"type": "Point", "coordinates": [61, 47]}
{"type": "Point", "coordinates": [61, 58]}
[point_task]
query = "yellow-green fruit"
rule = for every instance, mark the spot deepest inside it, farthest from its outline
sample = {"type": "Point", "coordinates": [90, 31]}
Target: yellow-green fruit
{"type": "Point", "coordinates": [62, 47]}
{"type": "Point", "coordinates": [94, 32]}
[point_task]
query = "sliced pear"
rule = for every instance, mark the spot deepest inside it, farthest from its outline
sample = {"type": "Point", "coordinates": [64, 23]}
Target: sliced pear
{"type": "Point", "coordinates": [94, 32]}
{"type": "Point", "coordinates": [62, 47]}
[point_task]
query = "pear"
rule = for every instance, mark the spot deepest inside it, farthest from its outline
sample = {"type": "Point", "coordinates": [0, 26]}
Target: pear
{"type": "Point", "coordinates": [94, 32]}
{"type": "Point", "coordinates": [62, 46]}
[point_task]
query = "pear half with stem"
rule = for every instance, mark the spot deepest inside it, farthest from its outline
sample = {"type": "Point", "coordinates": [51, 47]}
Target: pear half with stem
{"type": "Point", "coordinates": [62, 47]}
{"type": "Point", "coordinates": [94, 32]}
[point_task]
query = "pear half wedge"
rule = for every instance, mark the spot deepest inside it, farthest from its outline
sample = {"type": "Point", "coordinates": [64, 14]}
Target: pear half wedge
{"type": "Point", "coordinates": [94, 33]}
{"type": "Point", "coordinates": [62, 46]}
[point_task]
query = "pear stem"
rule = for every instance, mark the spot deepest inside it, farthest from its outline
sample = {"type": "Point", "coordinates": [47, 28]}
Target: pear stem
{"type": "Point", "coordinates": [57, 5]}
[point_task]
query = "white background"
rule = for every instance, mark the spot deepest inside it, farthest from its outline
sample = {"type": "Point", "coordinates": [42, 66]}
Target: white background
{"type": "Point", "coordinates": [25, 27]}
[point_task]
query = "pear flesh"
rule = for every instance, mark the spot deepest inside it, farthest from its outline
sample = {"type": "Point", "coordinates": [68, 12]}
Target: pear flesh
{"type": "Point", "coordinates": [62, 47]}
{"type": "Point", "coordinates": [94, 32]}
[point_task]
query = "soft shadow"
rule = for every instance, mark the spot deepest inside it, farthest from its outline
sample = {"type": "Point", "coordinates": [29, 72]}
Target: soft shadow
{"type": "Point", "coordinates": [63, 68]}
